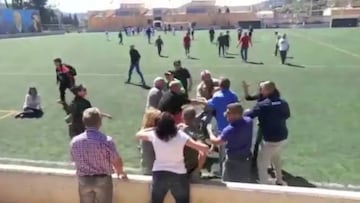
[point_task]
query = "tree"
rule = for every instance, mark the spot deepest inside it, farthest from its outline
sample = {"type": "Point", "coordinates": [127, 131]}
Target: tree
{"type": "Point", "coordinates": [76, 20]}
{"type": "Point", "coordinates": [70, 19]}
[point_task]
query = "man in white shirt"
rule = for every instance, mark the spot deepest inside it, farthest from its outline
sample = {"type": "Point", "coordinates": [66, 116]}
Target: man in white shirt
{"type": "Point", "coordinates": [283, 48]}
{"type": "Point", "coordinates": [278, 37]}
{"type": "Point", "coordinates": [155, 93]}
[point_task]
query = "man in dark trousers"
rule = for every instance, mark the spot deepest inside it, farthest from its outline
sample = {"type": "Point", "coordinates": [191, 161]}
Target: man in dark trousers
{"type": "Point", "coordinates": [183, 75]}
{"type": "Point", "coordinates": [134, 64]}
{"type": "Point", "coordinates": [227, 41]}
{"type": "Point", "coordinates": [272, 113]}
{"type": "Point", "coordinates": [221, 44]}
{"type": "Point", "coordinates": [284, 46]}
{"type": "Point", "coordinates": [212, 34]}
{"type": "Point", "coordinates": [244, 43]}
{"type": "Point", "coordinates": [187, 44]}
{"type": "Point", "coordinates": [65, 77]}
{"type": "Point", "coordinates": [251, 30]}
{"type": "Point", "coordinates": [120, 38]}
{"type": "Point", "coordinates": [75, 109]}
{"type": "Point", "coordinates": [159, 43]}
{"type": "Point", "coordinates": [148, 34]}
{"type": "Point", "coordinates": [239, 34]}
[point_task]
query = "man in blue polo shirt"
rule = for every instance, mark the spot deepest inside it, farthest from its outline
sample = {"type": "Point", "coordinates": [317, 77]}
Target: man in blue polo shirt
{"type": "Point", "coordinates": [272, 113]}
{"type": "Point", "coordinates": [217, 105]}
{"type": "Point", "coordinates": [238, 138]}
{"type": "Point", "coordinates": [219, 102]}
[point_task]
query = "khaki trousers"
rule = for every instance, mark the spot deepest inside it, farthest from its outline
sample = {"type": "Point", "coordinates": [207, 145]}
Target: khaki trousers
{"type": "Point", "coordinates": [270, 153]}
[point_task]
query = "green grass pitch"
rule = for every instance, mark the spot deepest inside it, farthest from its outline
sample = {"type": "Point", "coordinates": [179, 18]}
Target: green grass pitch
{"type": "Point", "coordinates": [324, 96]}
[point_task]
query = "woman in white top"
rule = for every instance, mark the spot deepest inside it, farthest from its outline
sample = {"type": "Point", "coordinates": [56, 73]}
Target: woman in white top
{"type": "Point", "coordinates": [169, 172]}
{"type": "Point", "coordinates": [32, 105]}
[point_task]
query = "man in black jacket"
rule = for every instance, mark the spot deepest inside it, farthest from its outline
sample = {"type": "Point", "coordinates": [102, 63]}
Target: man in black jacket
{"type": "Point", "coordinates": [134, 64]}
{"type": "Point", "coordinates": [272, 112]}
{"type": "Point", "coordinates": [212, 34]}
{"type": "Point", "coordinates": [221, 44]}
{"type": "Point", "coordinates": [75, 109]}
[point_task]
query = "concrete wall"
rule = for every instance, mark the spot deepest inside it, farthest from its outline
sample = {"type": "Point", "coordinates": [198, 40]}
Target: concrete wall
{"type": "Point", "coordinates": [19, 184]}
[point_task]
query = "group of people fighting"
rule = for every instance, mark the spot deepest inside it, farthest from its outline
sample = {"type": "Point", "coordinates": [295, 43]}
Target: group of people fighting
{"type": "Point", "coordinates": [177, 135]}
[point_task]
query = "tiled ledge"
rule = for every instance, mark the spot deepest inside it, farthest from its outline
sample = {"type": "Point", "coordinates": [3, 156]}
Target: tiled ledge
{"type": "Point", "coordinates": [39, 185]}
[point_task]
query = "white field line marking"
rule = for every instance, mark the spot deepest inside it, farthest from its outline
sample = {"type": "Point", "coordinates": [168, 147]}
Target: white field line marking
{"type": "Point", "coordinates": [6, 115]}
{"type": "Point", "coordinates": [154, 74]}
{"type": "Point", "coordinates": [70, 164]}
{"type": "Point", "coordinates": [325, 44]}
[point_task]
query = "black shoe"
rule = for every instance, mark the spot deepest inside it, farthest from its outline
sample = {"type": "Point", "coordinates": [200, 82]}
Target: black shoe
{"type": "Point", "coordinates": [127, 82]}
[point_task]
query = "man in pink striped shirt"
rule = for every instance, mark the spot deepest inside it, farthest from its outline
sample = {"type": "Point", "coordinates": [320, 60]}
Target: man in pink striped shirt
{"type": "Point", "coordinates": [96, 158]}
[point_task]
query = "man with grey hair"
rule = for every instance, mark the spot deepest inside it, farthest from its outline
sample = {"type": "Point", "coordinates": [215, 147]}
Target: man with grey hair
{"type": "Point", "coordinates": [155, 93]}
{"type": "Point", "coordinates": [272, 113]}
{"type": "Point", "coordinates": [96, 158]}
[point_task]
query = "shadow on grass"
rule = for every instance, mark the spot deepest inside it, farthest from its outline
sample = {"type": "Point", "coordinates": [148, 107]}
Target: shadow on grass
{"type": "Point", "coordinates": [145, 87]}
{"type": "Point", "coordinates": [229, 57]}
{"type": "Point", "coordinates": [291, 179]}
{"type": "Point", "coordinates": [193, 58]}
{"type": "Point", "coordinates": [294, 65]}
{"type": "Point", "coordinates": [233, 54]}
{"type": "Point", "coordinates": [255, 63]}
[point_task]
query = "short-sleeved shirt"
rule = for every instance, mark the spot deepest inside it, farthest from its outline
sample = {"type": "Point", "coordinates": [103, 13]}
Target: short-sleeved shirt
{"type": "Point", "coordinates": [169, 155]}
{"type": "Point", "coordinates": [182, 74]}
{"type": "Point", "coordinates": [245, 41]}
{"type": "Point", "coordinates": [219, 103]}
{"type": "Point", "coordinates": [93, 153]}
{"type": "Point", "coordinates": [187, 41]}
{"type": "Point", "coordinates": [238, 137]}
{"type": "Point", "coordinates": [154, 97]}
{"type": "Point", "coordinates": [283, 44]}
{"type": "Point", "coordinates": [172, 102]}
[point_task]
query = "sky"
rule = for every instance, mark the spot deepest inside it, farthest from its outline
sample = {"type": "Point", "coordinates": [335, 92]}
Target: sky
{"type": "Point", "coordinates": [76, 6]}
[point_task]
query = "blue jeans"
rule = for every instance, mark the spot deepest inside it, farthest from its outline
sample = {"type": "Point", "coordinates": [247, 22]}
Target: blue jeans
{"type": "Point", "coordinates": [137, 68]}
{"type": "Point", "coordinates": [178, 184]}
{"type": "Point", "coordinates": [244, 53]}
